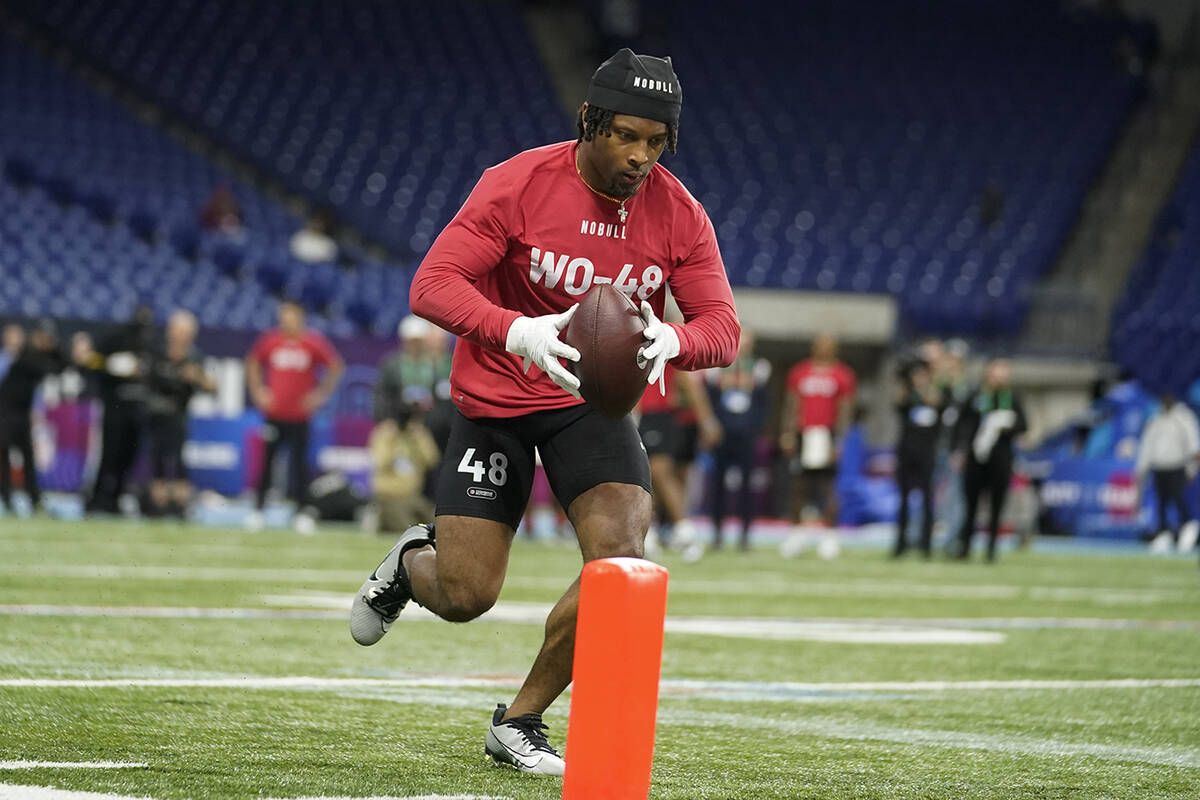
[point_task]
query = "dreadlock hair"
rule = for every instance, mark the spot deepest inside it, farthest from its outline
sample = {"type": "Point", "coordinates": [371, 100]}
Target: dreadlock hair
{"type": "Point", "coordinates": [596, 120]}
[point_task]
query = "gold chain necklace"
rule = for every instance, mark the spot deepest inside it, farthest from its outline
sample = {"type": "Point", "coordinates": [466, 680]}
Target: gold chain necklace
{"type": "Point", "coordinates": [621, 212]}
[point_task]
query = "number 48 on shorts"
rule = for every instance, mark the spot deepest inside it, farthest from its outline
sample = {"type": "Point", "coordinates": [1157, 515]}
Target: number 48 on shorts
{"type": "Point", "coordinates": [496, 472]}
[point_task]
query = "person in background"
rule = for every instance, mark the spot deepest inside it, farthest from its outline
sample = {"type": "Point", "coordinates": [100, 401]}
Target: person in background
{"type": "Point", "coordinates": [950, 376]}
{"type": "Point", "coordinates": [282, 377]}
{"type": "Point", "coordinates": [10, 346]}
{"type": "Point", "coordinates": [221, 212]}
{"type": "Point", "coordinates": [406, 376]}
{"type": "Point", "coordinates": [402, 453]}
{"type": "Point", "coordinates": [314, 244]}
{"type": "Point", "coordinates": [1168, 454]}
{"type": "Point", "coordinates": [920, 409]}
{"type": "Point", "coordinates": [176, 373]}
{"type": "Point", "coordinates": [120, 363]}
{"type": "Point", "coordinates": [739, 399]}
{"type": "Point", "coordinates": [439, 346]}
{"type": "Point", "coordinates": [989, 422]}
{"type": "Point", "coordinates": [416, 378]}
{"type": "Point", "coordinates": [37, 359]}
{"type": "Point", "coordinates": [667, 444]}
{"type": "Point", "coordinates": [818, 407]}
{"type": "Point", "coordinates": [699, 430]}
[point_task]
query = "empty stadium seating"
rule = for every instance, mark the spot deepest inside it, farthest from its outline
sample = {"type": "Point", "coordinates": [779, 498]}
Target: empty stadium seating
{"type": "Point", "coordinates": [944, 166]}
{"type": "Point", "coordinates": [1155, 326]}
{"type": "Point", "coordinates": [385, 111]}
{"type": "Point", "coordinates": [99, 211]}
{"type": "Point", "coordinates": [834, 153]}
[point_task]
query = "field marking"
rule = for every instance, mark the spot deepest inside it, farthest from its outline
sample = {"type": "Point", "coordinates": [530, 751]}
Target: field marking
{"type": "Point", "coordinates": [15, 792]}
{"type": "Point", "coordinates": [844, 631]}
{"type": "Point", "coordinates": [167, 612]}
{"type": "Point", "coordinates": [954, 740]}
{"type": "Point", "coordinates": [858, 587]}
{"type": "Point", "coordinates": [71, 765]}
{"type": "Point", "coordinates": [858, 630]}
{"type": "Point", "coordinates": [673, 687]}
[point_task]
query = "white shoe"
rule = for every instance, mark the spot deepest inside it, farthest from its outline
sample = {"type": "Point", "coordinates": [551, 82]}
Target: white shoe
{"type": "Point", "coordinates": [254, 521]}
{"type": "Point", "coordinates": [684, 535]}
{"type": "Point", "coordinates": [521, 743]}
{"type": "Point", "coordinates": [1162, 543]}
{"type": "Point", "coordinates": [384, 594]}
{"type": "Point", "coordinates": [795, 544]}
{"type": "Point", "coordinates": [1188, 535]}
{"type": "Point", "coordinates": [693, 552]}
{"type": "Point", "coordinates": [304, 524]}
{"type": "Point", "coordinates": [829, 548]}
{"type": "Point", "coordinates": [652, 545]}
{"type": "Point", "coordinates": [370, 520]}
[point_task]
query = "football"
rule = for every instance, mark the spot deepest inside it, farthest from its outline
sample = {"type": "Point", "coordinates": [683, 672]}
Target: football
{"type": "Point", "coordinates": [607, 332]}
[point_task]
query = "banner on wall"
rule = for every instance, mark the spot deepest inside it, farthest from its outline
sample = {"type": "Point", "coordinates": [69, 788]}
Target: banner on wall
{"type": "Point", "coordinates": [1085, 496]}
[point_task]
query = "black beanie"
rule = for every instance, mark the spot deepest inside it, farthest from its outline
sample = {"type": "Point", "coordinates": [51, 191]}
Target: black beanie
{"type": "Point", "coordinates": [640, 86]}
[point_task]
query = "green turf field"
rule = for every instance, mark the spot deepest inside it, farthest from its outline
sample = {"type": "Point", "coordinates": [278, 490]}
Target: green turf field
{"type": "Point", "coordinates": [162, 646]}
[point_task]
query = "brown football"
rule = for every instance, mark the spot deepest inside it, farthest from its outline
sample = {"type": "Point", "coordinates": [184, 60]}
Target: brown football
{"type": "Point", "coordinates": [607, 331]}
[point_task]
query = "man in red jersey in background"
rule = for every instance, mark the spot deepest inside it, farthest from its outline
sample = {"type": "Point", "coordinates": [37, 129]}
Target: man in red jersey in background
{"type": "Point", "coordinates": [818, 408]}
{"type": "Point", "coordinates": [537, 232]}
{"type": "Point", "coordinates": [290, 394]}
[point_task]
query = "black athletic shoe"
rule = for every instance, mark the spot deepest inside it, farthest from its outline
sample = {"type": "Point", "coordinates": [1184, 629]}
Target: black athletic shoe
{"type": "Point", "coordinates": [383, 596]}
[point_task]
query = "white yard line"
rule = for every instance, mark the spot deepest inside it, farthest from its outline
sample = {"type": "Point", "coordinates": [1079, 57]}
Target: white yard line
{"type": "Point", "coordinates": [516, 612]}
{"type": "Point", "coordinates": [670, 686]}
{"type": "Point", "coordinates": [863, 630]}
{"type": "Point", "coordinates": [953, 740]}
{"type": "Point", "coordinates": [683, 585]}
{"type": "Point", "coordinates": [843, 631]}
{"type": "Point", "coordinates": [168, 612]}
{"type": "Point", "coordinates": [71, 765]}
{"type": "Point", "coordinates": [14, 792]}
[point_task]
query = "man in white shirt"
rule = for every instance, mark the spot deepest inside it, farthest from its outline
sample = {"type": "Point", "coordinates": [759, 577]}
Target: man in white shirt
{"type": "Point", "coordinates": [1170, 452]}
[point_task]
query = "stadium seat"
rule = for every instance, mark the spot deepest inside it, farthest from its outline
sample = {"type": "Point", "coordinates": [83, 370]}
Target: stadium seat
{"type": "Point", "coordinates": [1153, 334]}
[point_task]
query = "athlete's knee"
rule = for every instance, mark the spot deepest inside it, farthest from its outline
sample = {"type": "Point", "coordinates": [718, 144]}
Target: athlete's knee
{"type": "Point", "coordinates": [616, 526]}
{"type": "Point", "coordinates": [464, 600]}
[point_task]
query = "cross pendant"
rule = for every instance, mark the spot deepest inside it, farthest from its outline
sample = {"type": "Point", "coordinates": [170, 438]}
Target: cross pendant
{"type": "Point", "coordinates": [622, 213]}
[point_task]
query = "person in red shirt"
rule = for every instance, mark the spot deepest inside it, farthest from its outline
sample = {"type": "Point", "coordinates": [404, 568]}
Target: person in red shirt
{"type": "Point", "coordinates": [817, 410]}
{"type": "Point", "coordinates": [282, 377]}
{"type": "Point", "coordinates": [505, 276]}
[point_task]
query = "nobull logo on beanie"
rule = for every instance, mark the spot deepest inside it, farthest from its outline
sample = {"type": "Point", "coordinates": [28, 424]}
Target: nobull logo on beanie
{"type": "Point", "coordinates": [657, 86]}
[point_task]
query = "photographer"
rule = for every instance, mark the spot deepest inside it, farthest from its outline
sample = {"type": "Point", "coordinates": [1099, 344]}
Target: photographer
{"type": "Point", "coordinates": [402, 453]}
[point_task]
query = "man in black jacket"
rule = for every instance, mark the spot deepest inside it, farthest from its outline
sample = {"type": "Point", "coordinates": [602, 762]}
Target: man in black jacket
{"type": "Point", "coordinates": [121, 364]}
{"type": "Point", "coordinates": [989, 421]}
{"type": "Point", "coordinates": [920, 406]}
{"type": "Point", "coordinates": [175, 374]}
{"type": "Point", "coordinates": [37, 359]}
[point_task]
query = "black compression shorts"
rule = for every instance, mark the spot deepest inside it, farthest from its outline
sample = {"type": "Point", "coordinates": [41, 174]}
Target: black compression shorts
{"type": "Point", "coordinates": [487, 469]}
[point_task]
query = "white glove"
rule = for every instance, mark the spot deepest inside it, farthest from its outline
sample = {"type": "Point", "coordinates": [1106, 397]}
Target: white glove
{"type": "Point", "coordinates": [536, 339]}
{"type": "Point", "coordinates": [664, 345]}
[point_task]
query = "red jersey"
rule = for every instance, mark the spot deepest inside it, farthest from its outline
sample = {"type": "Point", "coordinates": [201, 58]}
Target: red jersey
{"type": "Point", "coordinates": [290, 364]}
{"type": "Point", "coordinates": [819, 388]}
{"type": "Point", "coordinates": [532, 239]}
